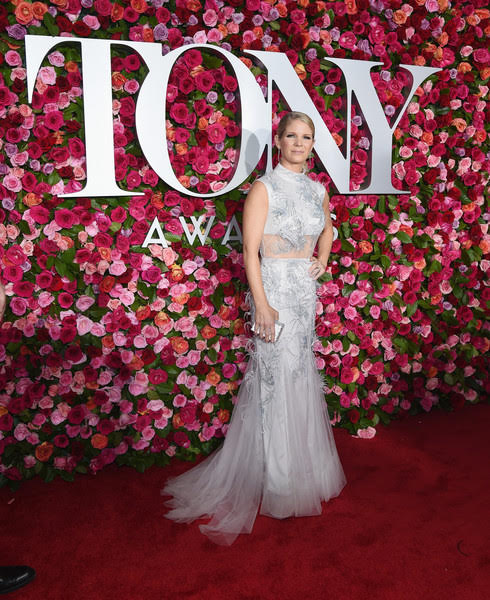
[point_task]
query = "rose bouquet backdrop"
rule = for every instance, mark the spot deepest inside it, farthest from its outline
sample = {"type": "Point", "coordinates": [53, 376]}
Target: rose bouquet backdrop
{"type": "Point", "coordinates": [114, 353]}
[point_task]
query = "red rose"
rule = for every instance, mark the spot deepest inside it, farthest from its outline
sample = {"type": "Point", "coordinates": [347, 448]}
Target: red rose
{"type": "Point", "coordinates": [73, 354]}
{"type": "Point", "coordinates": [6, 422]}
{"type": "Point", "coordinates": [77, 414]}
{"type": "Point", "coordinates": [157, 376]}
{"type": "Point", "coordinates": [181, 439]}
{"type": "Point", "coordinates": [354, 415]}
{"type": "Point", "coordinates": [61, 441]}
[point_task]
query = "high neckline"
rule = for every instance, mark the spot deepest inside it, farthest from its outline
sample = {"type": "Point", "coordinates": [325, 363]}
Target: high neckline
{"type": "Point", "coordinates": [285, 171]}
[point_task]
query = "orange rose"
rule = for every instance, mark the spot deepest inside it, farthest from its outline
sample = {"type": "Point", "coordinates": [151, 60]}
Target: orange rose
{"type": "Point", "coordinates": [39, 9]}
{"type": "Point", "coordinates": [407, 229]}
{"type": "Point", "coordinates": [282, 10]}
{"type": "Point", "coordinates": [71, 66]}
{"type": "Point", "coordinates": [246, 61]}
{"type": "Point", "coordinates": [336, 328]}
{"type": "Point", "coordinates": [300, 70]}
{"type": "Point", "coordinates": [460, 124]}
{"type": "Point", "coordinates": [117, 12]}
{"type": "Point", "coordinates": [161, 319]}
{"type": "Point", "coordinates": [428, 138]}
{"type": "Point", "coordinates": [419, 61]}
{"type": "Point", "coordinates": [464, 67]}
{"type": "Point", "coordinates": [202, 123]}
{"type": "Point", "coordinates": [136, 363]}
{"type": "Point", "coordinates": [224, 415]}
{"type": "Point", "coordinates": [24, 13]}
{"type": "Point", "coordinates": [177, 421]}
{"type": "Point", "coordinates": [365, 246]}
{"type": "Point", "coordinates": [185, 180]}
{"type": "Point", "coordinates": [179, 345]}
{"type": "Point", "coordinates": [107, 341]}
{"type": "Point", "coordinates": [432, 372]}
{"type": "Point", "coordinates": [238, 327]}
{"type": "Point", "coordinates": [32, 199]}
{"type": "Point", "coordinates": [351, 7]}
{"type": "Point", "coordinates": [143, 312]}
{"type": "Point", "coordinates": [208, 332]}
{"type": "Point", "coordinates": [182, 299]}
{"type": "Point", "coordinates": [181, 149]}
{"type": "Point", "coordinates": [139, 6]}
{"type": "Point", "coordinates": [99, 441]}
{"type": "Point", "coordinates": [485, 71]}
{"type": "Point", "coordinates": [484, 246]}
{"type": "Point", "coordinates": [156, 200]}
{"type": "Point", "coordinates": [443, 39]}
{"type": "Point", "coordinates": [148, 34]}
{"type": "Point", "coordinates": [3, 411]}
{"type": "Point", "coordinates": [44, 451]}
{"type": "Point", "coordinates": [177, 273]}
{"type": "Point", "coordinates": [193, 5]}
{"type": "Point", "coordinates": [118, 80]}
{"type": "Point", "coordinates": [338, 140]}
{"type": "Point", "coordinates": [399, 17]}
{"type": "Point", "coordinates": [213, 378]}
{"type": "Point", "coordinates": [90, 404]}
{"type": "Point", "coordinates": [224, 312]}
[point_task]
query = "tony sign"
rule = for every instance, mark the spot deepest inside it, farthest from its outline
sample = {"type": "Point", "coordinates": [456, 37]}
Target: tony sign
{"type": "Point", "coordinates": [256, 113]}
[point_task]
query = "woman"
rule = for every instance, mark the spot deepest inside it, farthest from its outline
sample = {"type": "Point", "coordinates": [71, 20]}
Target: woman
{"type": "Point", "coordinates": [279, 452]}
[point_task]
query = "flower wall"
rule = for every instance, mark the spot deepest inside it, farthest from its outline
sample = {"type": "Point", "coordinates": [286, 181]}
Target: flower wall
{"type": "Point", "coordinates": [114, 353]}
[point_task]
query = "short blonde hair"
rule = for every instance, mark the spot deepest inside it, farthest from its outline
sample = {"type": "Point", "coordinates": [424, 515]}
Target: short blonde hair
{"type": "Point", "coordinates": [292, 116]}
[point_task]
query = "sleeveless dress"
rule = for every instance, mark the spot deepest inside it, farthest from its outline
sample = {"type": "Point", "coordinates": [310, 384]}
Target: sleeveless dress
{"type": "Point", "coordinates": [279, 453]}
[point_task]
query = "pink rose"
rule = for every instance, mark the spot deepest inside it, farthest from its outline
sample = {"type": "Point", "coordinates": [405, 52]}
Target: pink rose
{"type": "Point", "coordinates": [367, 433]}
{"type": "Point", "coordinates": [152, 274]}
{"type": "Point", "coordinates": [18, 306]}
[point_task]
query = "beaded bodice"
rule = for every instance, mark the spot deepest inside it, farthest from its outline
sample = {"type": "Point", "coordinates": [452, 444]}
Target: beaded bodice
{"type": "Point", "coordinates": [295, 217]}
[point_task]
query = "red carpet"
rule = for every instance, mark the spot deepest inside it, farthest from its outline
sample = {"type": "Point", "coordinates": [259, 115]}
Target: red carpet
{"type": "Point", "coordinates": [412, 523]}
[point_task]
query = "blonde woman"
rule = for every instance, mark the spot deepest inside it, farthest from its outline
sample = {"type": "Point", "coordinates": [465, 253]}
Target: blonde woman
{"type": "Point", "coordinates": [279, 455]}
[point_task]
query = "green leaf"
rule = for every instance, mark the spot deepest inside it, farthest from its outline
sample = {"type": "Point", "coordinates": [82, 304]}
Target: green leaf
{"type": "Point", "coordinates": [347, 246]}
{"type": "Point", "coordinates": [68, 256]}
{"type": "Point", "coordinates": [411, 308]}
{"type": "Point", "coordinates": [404, 237]}
{"type": "Point", "coordinates": [50, 24]}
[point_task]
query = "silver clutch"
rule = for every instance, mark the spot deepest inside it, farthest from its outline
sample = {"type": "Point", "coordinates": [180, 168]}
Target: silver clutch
{"type": "Point", "coordinates": [278, 327]}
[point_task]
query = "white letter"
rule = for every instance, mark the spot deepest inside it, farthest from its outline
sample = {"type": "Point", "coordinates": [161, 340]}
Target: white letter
{"type": "Point", "coordinates": [155, 226]}
{"type": "Point", "coordinates": [97, 108]}
{"type": "Point", "coordinates": [358, 80]}
{"type": "Point", "coordinates": [233, 224]}
{"type": "Point", "coordinates": [150, 118]}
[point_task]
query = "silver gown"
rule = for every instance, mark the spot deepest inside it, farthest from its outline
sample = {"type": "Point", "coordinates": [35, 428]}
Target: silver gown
{"type": "Point", "coordinates": [279, 454]}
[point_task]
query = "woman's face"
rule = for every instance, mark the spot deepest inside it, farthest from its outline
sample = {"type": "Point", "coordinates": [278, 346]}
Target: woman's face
{"type": "Point", "coordinates": [295, 144]}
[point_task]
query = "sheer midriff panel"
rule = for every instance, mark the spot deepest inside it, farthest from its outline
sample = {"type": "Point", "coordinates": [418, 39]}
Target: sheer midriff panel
{"type": "Point", "coordinates": [276, 246]}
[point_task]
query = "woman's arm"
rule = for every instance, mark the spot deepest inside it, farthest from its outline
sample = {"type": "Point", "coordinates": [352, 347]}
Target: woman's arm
{"type": "Point", "coordinates": [254, 218]}
{"type": "Point", "coordinates": [324, 243]}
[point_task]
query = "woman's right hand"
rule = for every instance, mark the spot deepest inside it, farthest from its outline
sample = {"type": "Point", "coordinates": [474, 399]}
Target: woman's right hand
{"type": "Point", "coordinates": [265, 322]}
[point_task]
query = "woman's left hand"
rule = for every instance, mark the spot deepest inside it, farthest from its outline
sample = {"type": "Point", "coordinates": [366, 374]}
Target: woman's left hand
{"type": "Point", "coordinates": [317, 268]}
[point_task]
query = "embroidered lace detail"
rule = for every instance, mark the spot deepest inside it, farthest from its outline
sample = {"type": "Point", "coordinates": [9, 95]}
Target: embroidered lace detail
{"type": "Point", "coordinates": [295, 218]}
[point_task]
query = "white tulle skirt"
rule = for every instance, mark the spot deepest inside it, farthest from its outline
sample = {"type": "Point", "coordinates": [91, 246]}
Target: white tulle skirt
{"type": "Point", "coordinates": [279, 454]}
